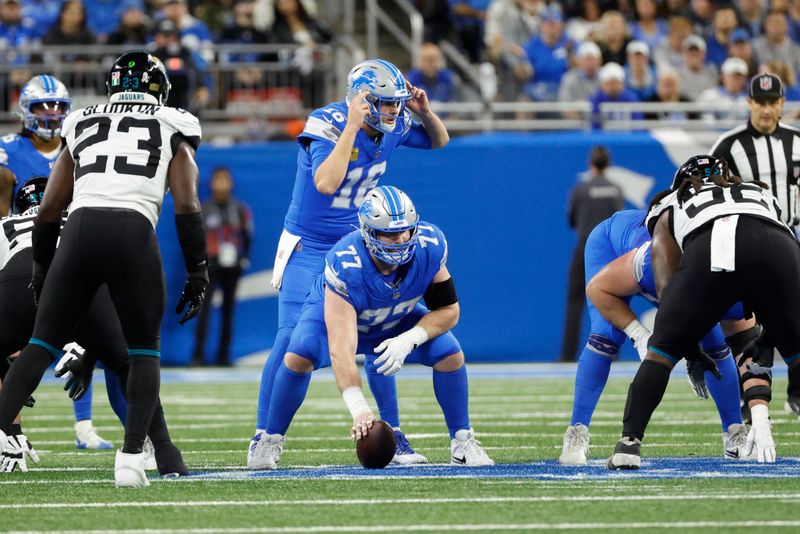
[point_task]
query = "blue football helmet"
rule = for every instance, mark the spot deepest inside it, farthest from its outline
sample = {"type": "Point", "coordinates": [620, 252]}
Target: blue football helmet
{"type": "Point", "coordinates": [702, 166]}
{"type": "Point", "coordinates": [387, 210]}
{"type": "Point", "coordinates": [49, 97]}
{"type": "Point", "coordinates": [384, 83]}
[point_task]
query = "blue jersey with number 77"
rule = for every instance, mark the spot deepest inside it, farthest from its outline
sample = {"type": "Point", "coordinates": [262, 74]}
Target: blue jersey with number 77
{"type": "Point", "coordinates": [326, 218]}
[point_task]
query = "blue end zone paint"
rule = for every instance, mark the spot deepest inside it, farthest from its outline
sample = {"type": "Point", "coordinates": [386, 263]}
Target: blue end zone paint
{"type": "Point", "coordinates": [656, 468]}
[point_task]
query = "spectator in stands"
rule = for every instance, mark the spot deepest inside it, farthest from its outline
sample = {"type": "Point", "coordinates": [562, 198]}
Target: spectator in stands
{"type": "Point", "coordinates": [436, 16]}
{"type": "Point", "coordinates": [582, 81]}
{"type": "Point", "coordinates": [775, 43]}
{"type": "Point", "coordinates": [15, 32]}
{"type": "Point", "coordinates": [264, 12]}
{"type": "Point", "coordinates": [640, 76]}
{"type": "Point", "coordinates": [104, 16]}
{"type": "Point", "coordinates": [439, 83]}
{"type": "Point", "coordinates": [229, 235]}
{"type": "Point", "coordinates": [40, 14]}
{"type": "Point", "coordinates": [700, 13]}
{"type": "Point", "coordinates": [70, 29]}
{"type": "Point", "coordinates": [194, 34]}
{"type": "Point", "coordinates": [293, 24]}
{"type": "Point", "coordinates": [509, 25]}
{"type": "Point", "coordinates": [784, 72]}
{"type": "Point", "coordinates": [670, 52]}
{"type": "Point", "coordinates": [468, 18]}
{"type": "Point", "coordinates": [242, 30]}
{"type": "Point", "coordinates": [696, 74]}
{"type": "Point", "coordinates": [668, 90]}
{"type": "Point", "coordinates": [133, 29]}
{"type": "Point", "coordinates": [647, 25]}
{"type": "Point", "coordinates": [612, 89]}
{"type": "Point", "coordinates": [549, 54]}
{"type": "Point", "coordinates": [585, 25]}
{"type": "Point", "coordinates": [723, 24]}
{"type": "Point", "coordinates": [732, 90]}
{"type": "Point", "coordinates": [793, 19]}
{"type": "Point", "coordinates": [676, 8]}
{"type": "Point", "coordinates": [590, 202]}
{"type": "Point", "coordinates": [614, 37]}
{"type": "Point", "coordinates": [185, 69]}
{"type": "Point", "coordinates": [741, 47]}
{"type": "Point", "coordinates": [753, 12]}
{"type": "Point", "coordinates": [215, 14]}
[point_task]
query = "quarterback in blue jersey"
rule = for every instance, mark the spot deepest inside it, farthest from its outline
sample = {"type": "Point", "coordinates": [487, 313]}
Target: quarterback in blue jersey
{"type": "Point", "coordinates": [344, 150]}
{"type": "Point", "coordinates": [44, 102]}
{"type": "Point", "coordinates": [618, 266]}
{"type": "Point", "coordinates": [367, 301]}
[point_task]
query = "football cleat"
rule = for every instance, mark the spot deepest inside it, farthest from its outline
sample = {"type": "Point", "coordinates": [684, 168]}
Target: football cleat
{"type": "Point", "coordinates": [86, 437]}
{"type": "Point", "coordinates": [576, 445]}
{"type": "Point", "coordinates": [734, 443]}
{"type": "Point", "coordinates": [466, 450]}
{"type": "Point", "coordinates": [627, 454]}
{"type": "Point", "coordinates": [265, 451]}
{"type": "Point", "coordinates": [129, 470]}
{"type": "Point", "coordinates": [149, 455]}
{"type": "Point", "coordinates": [405, 453]}
{"type": "Point", "coordinates": [792, 405]}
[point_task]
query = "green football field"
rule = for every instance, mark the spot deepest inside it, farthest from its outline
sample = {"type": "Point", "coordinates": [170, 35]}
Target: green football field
{"type": "Point", "coordinates": [519, 413]}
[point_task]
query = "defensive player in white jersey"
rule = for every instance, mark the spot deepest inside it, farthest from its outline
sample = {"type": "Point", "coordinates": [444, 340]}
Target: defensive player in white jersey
{"type": "Point", "coordinates": [715, 240]}
{"type": "Point", "coordinates": [119, 160]}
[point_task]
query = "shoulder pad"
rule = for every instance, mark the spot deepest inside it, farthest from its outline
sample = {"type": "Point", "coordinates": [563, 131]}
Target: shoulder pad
{"type": "Point", "coordinates": [343, 266]}
{"type": "Point", "coordinates": [3, 156]}
{"type": "Point", "coordinates": [181, 121]}
{"type": "Point", "coordinates": [432, 241]}
{"type": "Point", "coordinates": [325, 124]}
{"type": "Point", "coordinates": [656, 212]}
{"type": "Point", "coordinates": [69, 122]}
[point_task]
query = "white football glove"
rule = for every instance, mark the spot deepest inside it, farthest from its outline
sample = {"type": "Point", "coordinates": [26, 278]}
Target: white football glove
{"type": "Point", "coordinates": [15, 448]}
{"type": "Point", "coordinates": [396, 349]}
{"type": "Point", "coordinates": [72, 352]}
{"type": "Point", "coordinates": [760, 435]}
{"type": "Point", "coordinates": [640, 335]}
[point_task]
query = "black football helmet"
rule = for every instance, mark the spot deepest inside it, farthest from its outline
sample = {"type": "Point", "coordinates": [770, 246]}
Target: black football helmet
{"type": "Point", "coordinates": [703, 166]}
{"type": "Point", "coordinates": [29, 195]}
{"type": "Point", "coordinates": [138, 76]}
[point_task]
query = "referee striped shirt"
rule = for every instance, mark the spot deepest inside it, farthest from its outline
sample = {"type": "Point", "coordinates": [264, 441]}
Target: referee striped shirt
{"type": "Point", "coordinates": [772, 158]}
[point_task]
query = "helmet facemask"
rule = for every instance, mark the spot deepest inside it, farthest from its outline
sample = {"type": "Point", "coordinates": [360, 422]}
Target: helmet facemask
{"type": "Point", "coordinates": [388, 211]}
{"type": "Point", "coordinates": [44, 102]}
{"type": "Point", "coordinates": [384, 84]}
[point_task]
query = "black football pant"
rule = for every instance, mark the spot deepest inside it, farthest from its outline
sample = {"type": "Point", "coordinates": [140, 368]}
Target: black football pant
{"type": "Point", "coordinates": [576, 304]}
{"type": "Point", "coordinates": [226, 278]}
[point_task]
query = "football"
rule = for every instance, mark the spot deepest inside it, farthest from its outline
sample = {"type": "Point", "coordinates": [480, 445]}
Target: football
{"type": "Point", "coordinates": [376, 450]}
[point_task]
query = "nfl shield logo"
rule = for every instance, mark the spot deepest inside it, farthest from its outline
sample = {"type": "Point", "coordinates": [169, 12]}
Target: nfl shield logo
{"type": "Point", "coordinates": [765, 83]}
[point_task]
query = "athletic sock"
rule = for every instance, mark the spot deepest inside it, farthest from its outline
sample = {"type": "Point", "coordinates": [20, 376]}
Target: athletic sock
{"type": "Point", "coordinates": [590, 380]}
{"type": "Point", "coordinates": [384, 390]}
{"type": "Point", "coordinates": [271, 366]}
{"type": "Point", "coordinates": [21, 381]}
{"type": "Point", "coordinates": [452, 393]}
{"type": "Point", "coordinates": [644, 395]}
{"type": "Point", "coordinates": [289, 392]}
{"type": "Point", "coordinates": [725, 392]}
{"type": "Point", "coordinates": [115, 396]}
{"type": "Point", "coordinates": [83, 407]}
{"type": "Point", "coordinates": [143, 385]}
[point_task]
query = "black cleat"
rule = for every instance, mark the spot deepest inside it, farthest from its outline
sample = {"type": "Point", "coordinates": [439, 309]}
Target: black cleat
{"type": "Point", "coordinates": [792, 405]}
{"type": "Point", "coordinates": [169, 460]}
{"type": "Point", "coordinates": [627, 454]}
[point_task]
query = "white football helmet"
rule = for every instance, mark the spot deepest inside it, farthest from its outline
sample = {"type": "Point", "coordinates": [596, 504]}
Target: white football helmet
{"type": "Point", "coordinates": [43, 103]}
{"type": "Point", "coordinates": [383, 82]}
{"type": "Point", "coordinates": [388, 210]}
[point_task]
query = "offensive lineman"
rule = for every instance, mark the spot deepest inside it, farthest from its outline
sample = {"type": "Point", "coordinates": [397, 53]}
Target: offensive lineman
{"type": "Point", "coordinates": [120, 157]}
{"type": "Point", "coordinates": [724, 234]}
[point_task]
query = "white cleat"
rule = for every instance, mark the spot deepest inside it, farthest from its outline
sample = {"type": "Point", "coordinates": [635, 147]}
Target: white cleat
{"type": "Point", "coordinates": [129, 470]}
{"type": "Point", "coordinates": [466, 450]}
{"type": "Point", "coordinates": [265, 451]}
{"type": "Point", "coordinates": [405, 453]}
{"type": "Point", "coordinates": [149, 455]}
{"type": "Point", "coordinates": [734, 443]}
{"type": "Point", "coordinates": [86, 437]}
{"type": "Point", "coordinates": [576, 445]}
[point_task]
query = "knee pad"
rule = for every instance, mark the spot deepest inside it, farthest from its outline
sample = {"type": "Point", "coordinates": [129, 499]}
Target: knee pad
{"type": "Point", "coordinates": [755, 370]}
{"type": "Point", "coordinates": [758, 393]}
{"type": "Point", "coordinates": [602, 346]}
{"type": "Point", "coordinates": [737, 342]}
{"type": "Point", "coordinates": [762, 352]}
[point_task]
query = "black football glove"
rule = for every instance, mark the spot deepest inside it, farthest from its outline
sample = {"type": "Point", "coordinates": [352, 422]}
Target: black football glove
{"type": "Point", "coordinates": [698, 358]}
{"type": "Point", "coordinates": [37, 281]}
{"type": "Point", "coordinates": [77, 373]}
{"type": "Point", "coordinates": [194, 292]}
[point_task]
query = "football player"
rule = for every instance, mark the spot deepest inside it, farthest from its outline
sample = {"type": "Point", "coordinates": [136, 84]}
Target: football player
{"type": "Point", "coordinates": [44, 102]}
{"type": "Point", "coordinates": [344, 150]}
{"type": "Point", "coordinates": [724, 235]}
{"type": "Point", "coordinates": [121, 157]}
{"type": "Point", "coordinates": [367, 301]}
{"type": "Point", "coordinates": [98, 331]}
{"type": "Point", "coordinates": [618, 266]}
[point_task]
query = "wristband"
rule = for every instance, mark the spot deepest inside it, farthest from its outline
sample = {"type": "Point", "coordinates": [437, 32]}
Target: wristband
{"type": "Point", "coordinates": [355, 401]}
{"type": "Point", "coordinates": [759, 413]}
{"type": "Point", "coordinates": [636, 330]}
{"type": "Point", "coordinates": [192, 238]}
{"type": "Point", "coordinates": [417, 336]}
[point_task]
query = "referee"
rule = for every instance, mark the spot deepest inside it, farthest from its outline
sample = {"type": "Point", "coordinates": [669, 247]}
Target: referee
{"type": "Point", "coordinates": [767, 150]}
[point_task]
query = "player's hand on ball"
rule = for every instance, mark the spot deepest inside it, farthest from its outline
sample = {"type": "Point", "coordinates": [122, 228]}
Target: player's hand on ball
{"type": "Point", "coordinates": [362, 423]}
{"type": "Point", "coordinates": [194, 292]}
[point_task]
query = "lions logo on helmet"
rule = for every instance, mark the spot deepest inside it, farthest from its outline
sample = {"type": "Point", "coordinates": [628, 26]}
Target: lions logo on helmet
{"type": "Point", "coordinates": [383, 83]}
{"type": "Point", "coordinates": [29, 196]}
{"type": "Point", "coordinates": [702, 166]}
{"type": "Point", "coordinates": [43, 103]}
{"type": "Point", "coordinates": [138, 77]}
{"type": "Point", "coordinates": [388, 210]}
